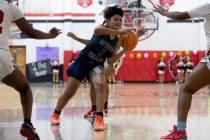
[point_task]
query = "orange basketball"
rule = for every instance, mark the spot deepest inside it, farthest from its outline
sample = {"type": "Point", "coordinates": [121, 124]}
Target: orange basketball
{"type": "Point", "coordinates": [131, 40]}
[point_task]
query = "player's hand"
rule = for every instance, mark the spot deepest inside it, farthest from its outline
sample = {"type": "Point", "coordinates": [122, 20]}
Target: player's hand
{"type": "Point", "coordinates": [158, 8]}
{"type": "Point", "coordinates": [110, 62]}
{"type": "Point", "coordinates": [54, 32]}
{"type": "Point", "coordinates": [72, 35]}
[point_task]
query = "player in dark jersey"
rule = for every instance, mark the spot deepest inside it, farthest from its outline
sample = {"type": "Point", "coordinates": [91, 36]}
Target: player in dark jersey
{"type": "Point", "coordinates": [108, 69]}
{"type": "Point", "coordinates": [104, 43]}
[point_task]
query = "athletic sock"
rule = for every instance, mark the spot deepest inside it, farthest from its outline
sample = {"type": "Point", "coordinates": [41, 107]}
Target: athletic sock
{"type": "Point", "coordinates": [181, 126]}
{"type": "Point", "coordinates": [28, 121]}
{"type": "Point", "coordinates": [100, 114]}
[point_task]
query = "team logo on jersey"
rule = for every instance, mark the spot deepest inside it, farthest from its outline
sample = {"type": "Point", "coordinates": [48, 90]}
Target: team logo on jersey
{"type": "Point", "coordinates": [85, 3]}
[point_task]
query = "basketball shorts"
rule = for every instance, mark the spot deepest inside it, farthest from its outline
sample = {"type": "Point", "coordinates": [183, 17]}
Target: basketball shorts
{"type": "Point", "coordinates": [82, 68]}
{"type": "Point", "coordinates": [7, 63]}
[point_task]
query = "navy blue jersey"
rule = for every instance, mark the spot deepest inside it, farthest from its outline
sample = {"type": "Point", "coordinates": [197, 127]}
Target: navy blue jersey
{"type": "Point", "coordinates": [93, 55]}
{"type": "Point", "coordinates": [99, 48]}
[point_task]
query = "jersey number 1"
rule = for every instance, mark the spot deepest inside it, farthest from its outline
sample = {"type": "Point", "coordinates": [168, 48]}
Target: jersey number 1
{"type": "Point", "coordinates": [1, 20]}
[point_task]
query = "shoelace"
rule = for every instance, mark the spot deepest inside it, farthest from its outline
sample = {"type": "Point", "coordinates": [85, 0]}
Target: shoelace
{"type": "Point", "coordinates": [173, 133]}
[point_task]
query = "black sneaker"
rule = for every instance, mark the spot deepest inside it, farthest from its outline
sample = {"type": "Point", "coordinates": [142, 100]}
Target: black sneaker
{"type": "Point", "coordinates": [29, 132]}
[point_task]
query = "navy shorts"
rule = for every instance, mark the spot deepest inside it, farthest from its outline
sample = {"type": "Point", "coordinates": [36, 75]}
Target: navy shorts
{"type": "Point", "coordinates": [81, 68]}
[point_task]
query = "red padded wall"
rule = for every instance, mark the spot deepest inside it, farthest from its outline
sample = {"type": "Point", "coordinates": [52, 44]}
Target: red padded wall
{"type": "Point", "coordinates": [141, 69]}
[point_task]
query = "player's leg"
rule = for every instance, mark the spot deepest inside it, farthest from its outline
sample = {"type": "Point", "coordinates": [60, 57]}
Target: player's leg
{"type": "Point", "coordinates": [99, 82]}
{"type": "Point", "coordinates": [18, 81]}
{"type": "Point", "coordinates": [196, 80]}
{"type": "Point", "coordinates": [109, 70]}
{"type": "Point", "coordinates": [70, 90]}
{"type": "Point", "coordinates": [91, 113]}
{"type": "Point", "coordinates": [76, 73]}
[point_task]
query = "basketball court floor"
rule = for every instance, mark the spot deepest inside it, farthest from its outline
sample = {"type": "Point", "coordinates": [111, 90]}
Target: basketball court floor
{"type": "Point", "coordinates": [136, 112]}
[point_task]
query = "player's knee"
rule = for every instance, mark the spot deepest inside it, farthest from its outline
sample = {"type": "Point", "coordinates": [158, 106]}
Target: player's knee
{"type": "Point", "coordinates": [100, 85]}
{"type": "Point", "coordinates": [185, 88]}
{"type": "Point", "coordinates": [23, 89]}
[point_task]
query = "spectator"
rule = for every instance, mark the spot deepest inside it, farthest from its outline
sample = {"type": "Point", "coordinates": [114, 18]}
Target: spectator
{"type": "Point", "coordinates": [161, 70]}
{"type": "Point", "coordinates": [55, 66]}
{"type": "Point", "coordinates": [189, 67]}
{"type": "Point", "coordinates": [180, 70]}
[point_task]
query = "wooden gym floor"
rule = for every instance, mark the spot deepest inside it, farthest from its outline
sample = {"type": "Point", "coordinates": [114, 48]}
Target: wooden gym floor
{"type": "Point", "coordinates": [136, 112]}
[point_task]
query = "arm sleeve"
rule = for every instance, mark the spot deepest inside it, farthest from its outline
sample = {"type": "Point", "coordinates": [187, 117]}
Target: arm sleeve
{"type": "Point", "coordinates": [15, 12]}
{"type": "Point", "coordinates": [201, 11]}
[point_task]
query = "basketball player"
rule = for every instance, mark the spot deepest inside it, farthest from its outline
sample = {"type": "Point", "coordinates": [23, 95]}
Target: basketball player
{"type": "Point", "coordinates": [109, 70]}
{"type": "Point", "coordinates": [10, 74]}
{"type": "Point", "coordinates": [199, 76]}
{"type": "Point", "coordinates": [105, 43]}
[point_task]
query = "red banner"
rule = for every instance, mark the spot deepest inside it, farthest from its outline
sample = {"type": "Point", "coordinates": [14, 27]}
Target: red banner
{"type": "Point", "coordinates": [166, 3]}
{"type": "Point", "coordinates": [84, 3]}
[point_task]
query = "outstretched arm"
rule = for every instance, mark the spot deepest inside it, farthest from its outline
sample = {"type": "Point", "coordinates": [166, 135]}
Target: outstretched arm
{"type": "Point", "coordinates": [140, 32]}
{"type": "Point", "coordinates": [81, 40]}
{"type": "Point", "coordinates": [102, 30]}
{"type": "Point", "coordinates": [173, 15]}
{"type": "Point", "coordinates": [118, 52]}
{"type": "Point", "coordinates": [25, 27]}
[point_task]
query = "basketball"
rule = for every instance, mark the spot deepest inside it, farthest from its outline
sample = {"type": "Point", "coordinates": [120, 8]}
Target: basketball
{"type": "Point", "coordinates": [130, 40]}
